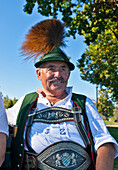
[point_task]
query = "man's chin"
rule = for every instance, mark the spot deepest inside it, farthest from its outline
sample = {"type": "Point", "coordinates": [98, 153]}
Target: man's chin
{"type": "Point", "coordinates": [57, 88]}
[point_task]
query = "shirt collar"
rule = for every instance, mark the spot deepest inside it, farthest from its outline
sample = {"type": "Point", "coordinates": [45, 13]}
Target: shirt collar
{"type": "Point", "coordinates": [65, 103]}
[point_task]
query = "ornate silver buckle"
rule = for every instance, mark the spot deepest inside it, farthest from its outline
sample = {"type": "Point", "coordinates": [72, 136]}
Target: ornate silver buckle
{"type": "Point", "coordinates": [64, 155]}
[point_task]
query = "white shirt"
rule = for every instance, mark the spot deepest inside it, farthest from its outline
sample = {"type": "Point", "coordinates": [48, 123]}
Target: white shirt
{"type": "Point", "coordinates": [3, 118]}
{"type": "Point", "coordinates": [43, 134]}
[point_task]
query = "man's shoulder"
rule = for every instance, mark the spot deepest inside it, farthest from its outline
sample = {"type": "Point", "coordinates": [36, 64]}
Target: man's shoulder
{"type": "Point", "coordinates": [31, 94]}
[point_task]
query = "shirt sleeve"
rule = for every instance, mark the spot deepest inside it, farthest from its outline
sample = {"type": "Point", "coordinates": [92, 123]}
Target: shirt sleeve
{"type": "Point", "coordinates": [12, 112]}
{"type": "Point", "coordinates": [3, 119]}
{"type": "Point", "coordinates": [99, 130]}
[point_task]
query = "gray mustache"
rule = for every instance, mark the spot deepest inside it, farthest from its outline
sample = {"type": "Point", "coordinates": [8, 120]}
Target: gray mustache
{"type": "Point", "coordinates": [54, 79]}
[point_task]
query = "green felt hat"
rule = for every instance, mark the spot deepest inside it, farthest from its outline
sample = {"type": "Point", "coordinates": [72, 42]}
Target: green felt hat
{"type": "Point", "coordinates": [55, 55]}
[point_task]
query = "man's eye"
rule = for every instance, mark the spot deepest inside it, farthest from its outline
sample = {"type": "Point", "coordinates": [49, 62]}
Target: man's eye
{"type": "Point", "coordinates": [63, 69]}
{"type": "Point", "coordinates": [51, 69]}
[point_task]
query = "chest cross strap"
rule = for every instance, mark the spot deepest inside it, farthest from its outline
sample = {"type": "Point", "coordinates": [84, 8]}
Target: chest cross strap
{"type": "Point", "coordinates": [79, 100]}
{"type": "Point", "coordinates": [77, 118]}
{"type": "Point", "coordinates": [56, 115]}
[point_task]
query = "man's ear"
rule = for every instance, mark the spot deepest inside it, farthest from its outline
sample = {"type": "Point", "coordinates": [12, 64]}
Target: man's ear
{"type": "Point", "coordinates": [68, 74]}
{"type": "Point", "coordinates": [38, 72]}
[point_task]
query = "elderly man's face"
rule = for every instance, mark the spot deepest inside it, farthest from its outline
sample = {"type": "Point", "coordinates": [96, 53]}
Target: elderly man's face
{"type": "Point", "coordinates": [54, 76]}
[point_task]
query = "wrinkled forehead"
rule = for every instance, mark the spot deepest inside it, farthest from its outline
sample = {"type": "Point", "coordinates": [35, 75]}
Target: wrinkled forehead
{"type": "Point", "coordinates": [56, 64]}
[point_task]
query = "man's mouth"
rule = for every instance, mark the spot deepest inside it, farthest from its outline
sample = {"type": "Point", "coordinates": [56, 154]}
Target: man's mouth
{"type": "Point", "coordinates": [57, 82]}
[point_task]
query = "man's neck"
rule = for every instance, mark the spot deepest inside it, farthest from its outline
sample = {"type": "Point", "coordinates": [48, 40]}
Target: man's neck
{"type": "Point", "coordinates": [55, 97]}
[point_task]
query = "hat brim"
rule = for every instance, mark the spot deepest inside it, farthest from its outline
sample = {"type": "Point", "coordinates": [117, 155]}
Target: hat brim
{"type": "Point", "coordinates": [55, 55]}
{"type": "Point", "coordinates": [57, 58]}
{"type": "Point", "coordinates": [70, 65]}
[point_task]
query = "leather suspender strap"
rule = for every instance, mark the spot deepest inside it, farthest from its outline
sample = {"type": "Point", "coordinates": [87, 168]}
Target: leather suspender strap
{"type": "Point", "coordinates": [79, 101]}
{"type": "Point", "coordinates": [81, 129]}
{"type": "Point", "coordinates": [28, 127]}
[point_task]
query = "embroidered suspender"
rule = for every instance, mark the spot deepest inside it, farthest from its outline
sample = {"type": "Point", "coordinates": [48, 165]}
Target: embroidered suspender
{"type": "Point", "coordinates": [69, 115]}
{"type": "Point", "coordinates": [79, 100]}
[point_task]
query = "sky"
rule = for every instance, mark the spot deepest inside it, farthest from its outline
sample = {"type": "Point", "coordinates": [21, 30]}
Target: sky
{"type": "Point", "coordinates": [18, 77]}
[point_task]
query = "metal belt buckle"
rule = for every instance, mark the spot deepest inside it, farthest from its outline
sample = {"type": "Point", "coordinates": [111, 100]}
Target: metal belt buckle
{"type": "Point", "coordinates": [64, 155]}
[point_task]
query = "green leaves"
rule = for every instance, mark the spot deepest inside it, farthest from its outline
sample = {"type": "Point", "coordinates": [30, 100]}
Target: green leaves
{"type": "Point", "coordinates": [99, 63]}
{"type": "Point", "coordinates": [84, 17]}
{"type": "Point", "coordinates": [9, 102]}
{"type": "Point", "coordinates": [28, 8]}
{"type": "Point", "coordinates": [105, 106]}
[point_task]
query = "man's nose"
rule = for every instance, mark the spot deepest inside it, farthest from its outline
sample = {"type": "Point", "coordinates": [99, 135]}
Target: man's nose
{"type": "Point", "coordinates": [57, 73]}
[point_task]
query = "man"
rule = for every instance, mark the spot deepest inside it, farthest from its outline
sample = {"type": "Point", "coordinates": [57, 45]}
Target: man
{"type": "Point", "coordinates": [3, 131]}
{"type": "Point", "coordinates": [57, 129]}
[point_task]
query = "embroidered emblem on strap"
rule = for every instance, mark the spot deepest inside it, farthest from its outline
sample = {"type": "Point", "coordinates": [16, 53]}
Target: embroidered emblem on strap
{"type": "Point", "coordinates": [53, 114]}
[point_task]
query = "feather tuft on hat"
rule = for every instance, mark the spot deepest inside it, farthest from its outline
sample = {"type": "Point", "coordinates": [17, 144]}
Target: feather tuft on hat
{"type": "Point", "coordinates": [43, 37]}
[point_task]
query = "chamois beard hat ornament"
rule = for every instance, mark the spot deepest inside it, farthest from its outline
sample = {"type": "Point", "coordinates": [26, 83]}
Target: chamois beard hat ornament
{"type": "Point", "coordinates": [45, 39]}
